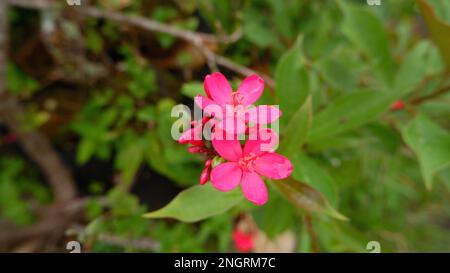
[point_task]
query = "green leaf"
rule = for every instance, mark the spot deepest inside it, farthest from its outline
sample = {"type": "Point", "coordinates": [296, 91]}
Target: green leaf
{"type": "Point", "coordinates": [348, 112]}
{"type": "Point", "coordinates": [86, 150]}
{"type": "Point", "coordinates": [148, 113]}
{"type": "Point", "coordinates": [297, 129]}
{"type": "Point", "coordinates": [337, 73]}
{"type": "Point", "coordinates": [198, 203]}
{"type": "Point", "coordinates": [366, 30]}
{"type": "Point", "coordinates": [192, 89]}
{"type": "Point", "coordinates": [18, 82]}
{"type": "Point", "coordinates": [308, 171]}
{"type": "Point", "coordinates": [306, 197]}
{"type": "Point", "coordinates": [438, 28]}
{"type": "Point", "coordinates": [431, 143]}
{"type": "Point", "coordinates": [292, 82]}
{"type": "Point", "coordinates": [257, 28]}
{"type": "Point", "coordinates": [129, 159]}
{"type": "Point", "coordinates": [415, 67]}
{"type": "Point", "coordinates": [276, 216]}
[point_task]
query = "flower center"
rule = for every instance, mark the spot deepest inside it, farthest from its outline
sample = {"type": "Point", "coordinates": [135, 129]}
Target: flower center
{"type": "Point", "coordinates": [236, 108]}
{"type": "Point", "coordinates": [237, 98]}
{"type": "Point", "coordinates": [247, 163]}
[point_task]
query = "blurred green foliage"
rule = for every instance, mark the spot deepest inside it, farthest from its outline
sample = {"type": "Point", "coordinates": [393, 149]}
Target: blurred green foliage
{"type": "Point", "coordinates": [362, 171]}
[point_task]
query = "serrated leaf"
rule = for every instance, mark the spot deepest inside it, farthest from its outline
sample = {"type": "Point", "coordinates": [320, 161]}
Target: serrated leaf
{"type": "Point", "coordinates": [198, 203]}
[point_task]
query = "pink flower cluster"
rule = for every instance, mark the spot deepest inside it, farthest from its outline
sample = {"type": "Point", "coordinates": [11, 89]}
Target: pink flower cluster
{"type": "Point", "coordinates": [230, 115]}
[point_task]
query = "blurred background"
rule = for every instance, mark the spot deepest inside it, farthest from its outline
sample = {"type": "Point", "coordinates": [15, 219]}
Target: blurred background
{"type": "Point", "coordinates": [87, 88]}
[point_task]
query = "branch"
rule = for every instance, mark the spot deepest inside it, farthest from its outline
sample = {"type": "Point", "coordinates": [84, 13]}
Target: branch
{"type": "Point", "coordinates": [198, 39]}
{"type": "Point", "coordinates": [111, 239]}
{"type": "Point", "coordinates": [3, 44]}
{"type": "Point", "coordinates": [311, 233]}
{"type": "Point", "coordinates": [55, 220]}
{"type": "Point", "coordinates": [40, 150]}
{"type": "Point", "coordinates": [35, 144]}
{"type": "Point", "coordinates": [433, 95]}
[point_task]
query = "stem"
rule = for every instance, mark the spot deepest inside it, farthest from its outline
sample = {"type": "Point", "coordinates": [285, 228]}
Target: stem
{"type": "Point", "coordinates": [35, 144]}
{"type": "Point", "coordinates": [199, 40]}
{"type": "Point", "coordinates": [435, 94]}
{"type": "Point", "coordinates": [311, 233]}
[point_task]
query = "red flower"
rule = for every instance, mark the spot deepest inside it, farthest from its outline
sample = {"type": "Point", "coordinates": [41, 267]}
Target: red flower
{"type": "Point", "coordinates": [246, 166]}
{"type": "Point", "coordinates": [242, 241]}
{"type": "Point", "coordinates": [233, 110]}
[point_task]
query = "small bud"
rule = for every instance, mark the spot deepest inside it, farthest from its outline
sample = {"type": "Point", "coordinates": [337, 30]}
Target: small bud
{"type": "Point", "coordinates": [397, 105]}
{"type": "Point", "coordinates": [204, 177]}
{"type": "Point", "coordinates": [208, 163]}
{"type": "Point", "coordinates": [195, 149]}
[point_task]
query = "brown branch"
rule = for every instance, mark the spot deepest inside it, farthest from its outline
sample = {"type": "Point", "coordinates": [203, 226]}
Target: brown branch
{"type": "Point", "coordinates": [198, 39]}
{"type": "Point", "coordinates": [311, 233]}
{"type": "Point", "coordinates": [433, 95]}
{"type": "Point", "coordinates": [35, 144]}
{"type": "Point", "coordinates": [111, 239]}
{"type": "Point", "coordinates": [40, 150]}
{"type": "Point", "coordinates": [142, 243]}
{"type": "Point", "coordinates": [3, 44]}
{"type": "Point", "coordinates": [56, 218]}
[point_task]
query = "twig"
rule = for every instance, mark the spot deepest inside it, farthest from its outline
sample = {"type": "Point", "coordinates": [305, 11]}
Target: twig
{"type": "Point", "coordinates": [3, 44]}
{"type": "Point", "coordinates": [36, 145]}
{"type": "Point", "coordinates": [55, 219]}
{"type": "Point", "coordinates": [39, 148]}
{"type": "Point", "coordinates": [141, 243]}
{"type": "Point", "coordinates": [197, 39]}
{"type": "Point", "coordinates": [200, 40]}
{"type": "Point", "coordinates": [111, 239]}
{"type": "Point", "coordinates": [311, 233]}
{"type": "Point", "coordinates": [433, 95]}
{"type": "Point", "coordinates": [243, 70]}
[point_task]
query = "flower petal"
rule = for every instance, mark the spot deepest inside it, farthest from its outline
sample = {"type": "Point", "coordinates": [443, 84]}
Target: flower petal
{"type": "Point", "coordinates": [252, 146]}
{"type": "Point", "coordinates": [218, 88]}
{"type": "Point", "coordinates": [229, 149]}
{"type": "Point", "coordinates": [193, 136]}
{"type": "Point", "coordinates": [251, 89]}
{"type": "Point", "coordinates": [273, 165]}
{"type": "Point", "coordinates": [209, 106]}
{"type": "Point", "coordinates": [232, 125]}
{"type": "Point", "coordinates": [269, 138]}
{"type": "Point", "coordinates": [254, 188]}
{"type": "Point", "coordinates": [226, 176]}
{"type": "Point", "coordinates": [263, 114]}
